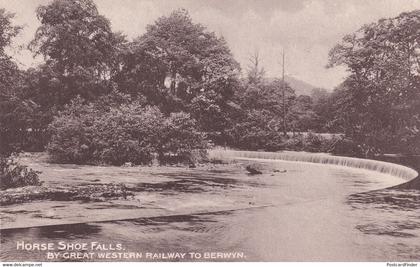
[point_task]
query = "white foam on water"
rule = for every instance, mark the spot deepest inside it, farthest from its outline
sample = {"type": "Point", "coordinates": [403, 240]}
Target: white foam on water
{"type": "Point", "coordinates": [321, 158]}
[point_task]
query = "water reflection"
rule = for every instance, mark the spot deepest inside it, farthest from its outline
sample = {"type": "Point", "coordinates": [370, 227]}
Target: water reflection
{"type": "Point", "coordinates": [60, 232]}
{"type": "Point", "coordinates": [70, 231]}
{"type": "Point", "coordinates": [396, 230]}
{"type": "Point", "coordinates": [386, 199]}
{"type": "Point", "coordinates": [393, 213]}
{"type": "Point", "coordinates": [195, 183]}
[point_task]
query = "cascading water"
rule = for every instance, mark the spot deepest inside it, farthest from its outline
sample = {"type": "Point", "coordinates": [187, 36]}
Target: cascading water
{"type": "Point", "coordinates": [373, 165]}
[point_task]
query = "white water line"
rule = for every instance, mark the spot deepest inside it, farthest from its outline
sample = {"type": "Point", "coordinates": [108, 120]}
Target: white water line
{"type": "Point", "coordinates": [320, 158]}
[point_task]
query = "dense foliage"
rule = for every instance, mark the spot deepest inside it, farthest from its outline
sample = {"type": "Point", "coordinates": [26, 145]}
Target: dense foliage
{"type": "Point", "coordinates": [268, 113]}
{"type": "Point", "coordinates": [13, 174]}
{"type": "Point", "coordinates": [100, 99]}
{"type": "Point", "coordinates": [180, 66]}
{"type": "Point", "coordinates": [9, 74]}
{"type": "Point", "coordinates": [14, 112]}
{"type": "Point", "coordinates": [86, 133]}
{"type": "Point", "coordinates": [78, 46]}
{"type": "Point", "coordinates": [380, 100]}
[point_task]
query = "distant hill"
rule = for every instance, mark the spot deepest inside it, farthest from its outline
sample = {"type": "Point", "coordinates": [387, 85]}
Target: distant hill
{"type": "Point", "coordinates": [300, 87]}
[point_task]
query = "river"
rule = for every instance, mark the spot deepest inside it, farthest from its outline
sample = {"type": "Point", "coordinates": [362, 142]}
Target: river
{"type": "Point", "coordinates": [292, 212]}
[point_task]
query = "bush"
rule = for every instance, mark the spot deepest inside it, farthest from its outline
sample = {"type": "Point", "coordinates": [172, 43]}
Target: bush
{"type": "Point", "coordinates": [88, 134]}
{"type": "Point", "coordinates": [71, 132]}
{"type": "Point", "coordinates": [315, 143]}
{"type": "Point", "coordinates": [311, 142]}
{"type": "Point", "coordinates": [346, 147]}
{"type": "Point", "coordinates": [12, 174]}
{"type": "Point", "coordinates": [295, 143]}
{"type": "Point", "coordinates": [180, 141]}
{"type": "Point", "coordinates": [127, 134]}
{"type": "Point", "coordinates": [260, 130]}
{"type": "Point", "coordinates": [257, 130]}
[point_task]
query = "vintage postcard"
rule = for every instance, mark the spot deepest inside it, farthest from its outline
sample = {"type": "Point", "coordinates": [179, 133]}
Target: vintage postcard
{"type": "Point", "coordinates": [210, 131]}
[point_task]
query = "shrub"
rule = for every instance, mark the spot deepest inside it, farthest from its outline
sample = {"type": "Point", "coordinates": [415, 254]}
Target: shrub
{"type": "Point", "coordinates": [295, 143]}
{"type": "Point", "coordinates": [127, 134]}
{"type": "Point", "coordinates": [311, 142]}
{"type": "Point", "coordinates": [71, 133]}
{"type": "Point", "coordinates": [180, 141]}
{"type": "Point", "coordinates": [315, 143]}
{"type": "Point", "coordinates": [89, 134]}
{"type": "Point", "coordinates": [12, 174]}
{"type": "Point", "coordinates": [258, 130]}
{"type": "Point", "coordinates": [347, 147]}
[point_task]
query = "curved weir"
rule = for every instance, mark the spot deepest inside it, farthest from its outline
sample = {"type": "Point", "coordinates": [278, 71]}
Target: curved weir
{"type": "Point", "coordinates": [368, 164]}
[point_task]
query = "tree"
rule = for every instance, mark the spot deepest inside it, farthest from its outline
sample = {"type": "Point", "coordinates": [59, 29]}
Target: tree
{"type": "Point", "coordinates": [13, 110]}
{"type": "Point", "coordinates": [255, 72]}
{"type": "Point", "coordinates": [179, 139]}
{"type": "Point", "coordinates": [381, 97]}
{"type": "Point", "coordinates": [180, 66]}
{"type": "Point", "coordinates": [8, 69]}
{"type": "Point", "coordinates": [257, 129]}
{"type": "Point", "coordinates": [7, 30]}
{"type": "Point", "coordinates": [140, 74]}
{"type": "Point", "coordinates": [78, 45]}
{"type": "Point", "coordinates": [327, 109]}
{"type": "Point", "coordinates": [268, 95]}
{"type": "Point", "coordinates": [259, 122]}
{"type": "Point", "coordinates": [302, 118]}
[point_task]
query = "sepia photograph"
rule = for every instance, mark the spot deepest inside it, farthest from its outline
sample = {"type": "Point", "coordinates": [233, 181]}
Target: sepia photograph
{"type": "Point", "coordinates": [210, 131]}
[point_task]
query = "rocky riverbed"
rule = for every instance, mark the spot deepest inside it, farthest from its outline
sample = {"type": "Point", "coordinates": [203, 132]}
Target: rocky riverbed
{"type": "Point", "coordinates": [87, 192]}
{"type": "Point", "coordinates": [74, 193]}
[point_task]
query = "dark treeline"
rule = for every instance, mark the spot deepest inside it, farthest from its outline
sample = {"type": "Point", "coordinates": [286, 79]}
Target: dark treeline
{"type": "Point", "coordinates": [379, 103]}
{"type": "Point", "coordinates": [175, 90]}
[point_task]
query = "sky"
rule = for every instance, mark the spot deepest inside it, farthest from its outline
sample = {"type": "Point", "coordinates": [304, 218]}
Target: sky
{"type": "Point", "coordinates": [305, 29]}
